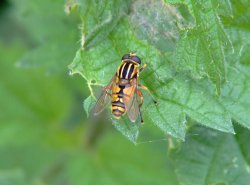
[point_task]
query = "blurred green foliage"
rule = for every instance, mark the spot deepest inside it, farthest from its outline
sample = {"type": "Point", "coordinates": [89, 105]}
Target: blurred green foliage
{"type": "Point", "coordinates": [45, 135]}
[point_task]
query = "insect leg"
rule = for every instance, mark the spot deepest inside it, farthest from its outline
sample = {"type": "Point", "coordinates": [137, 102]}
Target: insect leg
{"type": "Point", "coordinates": [141, 116]}
{"type": "Point", "coordinates": [143, 67]}
{"type": "Point", "coordinates": [145, 88]}
{"type": "Point", "coordinates": [141, 98]}
{"type": "Point", "coordinates": [140, 103]}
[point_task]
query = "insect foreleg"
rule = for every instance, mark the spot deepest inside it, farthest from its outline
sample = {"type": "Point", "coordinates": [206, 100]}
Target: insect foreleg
{"type": "Point", "coordinates": [140, 103]}
{"type": "Point", "coordinates": [143, 67]}
{"type": "Point", "coordinates": [141, 98]}
{"type": "Point", "coordinates": [145, 88]}
{"type": "Point", "coordinates": [141, 116]}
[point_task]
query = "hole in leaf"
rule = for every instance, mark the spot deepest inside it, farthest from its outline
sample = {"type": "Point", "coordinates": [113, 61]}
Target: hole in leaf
{"type": "Point", "coordinates": [93, 81]}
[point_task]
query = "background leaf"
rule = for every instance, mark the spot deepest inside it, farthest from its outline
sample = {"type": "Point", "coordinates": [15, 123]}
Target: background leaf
{"type": "Point", "coordinates": [50, 49]}
{"type": "Point", "coordinates": [208, 37]}
{"type": "Point", "coordinates": [210, 157]}
{"type": "Point", "coordinates": [45, 135]}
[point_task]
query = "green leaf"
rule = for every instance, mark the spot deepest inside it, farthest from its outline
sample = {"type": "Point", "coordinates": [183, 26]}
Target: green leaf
{"type": "Point", "coordinates": [160, 28]}
{"type": "Point", "coordinates": [41, 139]}
{"type": "Point", "coordinates": [199, 104]}
{"type": "Point", "coordinates": [99, 19]}
{"type": "Point", "coordinates": [30, 103]}
{"type": "Point", "coordinates": [185, 97]}
{"type": "Point", "coordinates": [111, 165]}
{"type": "Point", "coordinates": [211, 157]}
{"type": "Point", "coordinates": [236, 96]}
{"type": "Point", "coordinates": [12, 177]}
{"type": "Point", "coordinates": [52, 41]}
{"type": "Point", "coordinates": [28, 97]}
{"type": "Point", "coordinates": [244, 145]}
{"type": "Point", "coordinates": [174, 1]}
{"type": "Point", "coordinates": [236, 92]}
{"type": "Point", "coordinates": [239, 17]}
{"type": "Point", "coordinates": [172, 121]}
{"type": "Point", "coordinates": [208, 37]}
{"type": "Point", "coordinates": [88, 105]}
{"type": "Point", "coordinates": [96, 71]}
{"type": "Point", "coordinates": [177, 94]}
{"type": "Point", "coordinates": [128, 129]}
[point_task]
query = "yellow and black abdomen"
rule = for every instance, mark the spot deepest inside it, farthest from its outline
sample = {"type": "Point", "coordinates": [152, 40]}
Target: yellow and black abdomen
{"type": "Point", "coordinates": [118, 107]}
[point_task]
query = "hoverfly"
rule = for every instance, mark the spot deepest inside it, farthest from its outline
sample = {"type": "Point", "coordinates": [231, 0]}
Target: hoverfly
{"type": "Point", "coordinates": [123, 90]}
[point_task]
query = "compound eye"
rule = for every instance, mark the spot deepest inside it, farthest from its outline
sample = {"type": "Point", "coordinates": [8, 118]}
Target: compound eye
{"type": "Point", "coordinates": [126, 56]}
{"type": "Point", "coordinates": [136, 59]}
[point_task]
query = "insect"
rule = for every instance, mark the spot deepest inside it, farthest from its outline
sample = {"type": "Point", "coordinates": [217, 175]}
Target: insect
{"type": "Point", "coordinates": [123, 91]}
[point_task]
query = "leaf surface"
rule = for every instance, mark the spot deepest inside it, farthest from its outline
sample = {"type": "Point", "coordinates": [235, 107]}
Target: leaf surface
{"type": "Point", "coordinates": [210, 157]}
{"type": "Point", "coordinates": [178, 95]}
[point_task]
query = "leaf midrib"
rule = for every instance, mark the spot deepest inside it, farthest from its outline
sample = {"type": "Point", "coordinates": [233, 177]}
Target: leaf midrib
{"type": "Point", "coordinates": [213, 159]}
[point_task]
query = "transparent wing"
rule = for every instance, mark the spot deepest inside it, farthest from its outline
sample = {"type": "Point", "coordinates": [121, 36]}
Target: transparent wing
{"type": "Point", "coordinates": [131, 101]}
{"type": "Point", "coordinates": [102, 102]}
{"type": "Point", "coordinates": [134, 111]}
{"type": "Point", "coordinates": [105, 98]}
